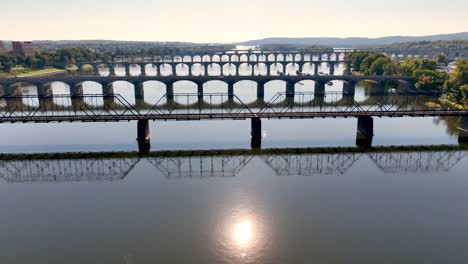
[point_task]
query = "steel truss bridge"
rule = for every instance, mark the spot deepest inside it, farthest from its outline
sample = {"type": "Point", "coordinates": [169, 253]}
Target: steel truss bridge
{"type": "Point", "coordinates": [225, 166]}
{"type": "Point", "coordinates": [107, 108]}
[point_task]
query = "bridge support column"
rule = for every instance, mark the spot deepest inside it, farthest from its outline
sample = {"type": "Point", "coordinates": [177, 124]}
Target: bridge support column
{"type": "Point", "coordinates": [205, 67]}
{"type": "Point", "coordinates": [332, 68]}
{"type": "Point", "coordinates": [14, 103]}
{"type": "Point", "coordinates": [127, 70]}
{"type": "Point", "coordinates": [143, 136]}
{"type": "Point", "coordinates": [77, 98]}
{"type": "Point", "coordinates": [256, 133]}
{"type": "Point", "coordinates": [349, 88]}
{"type": "Point", "coordinates": [108, 93]}
{"type": "Point", "coordinates": [142, 70]}
{"type": "Point", "coordinates": [290, 90]}
{"type": "Point", "coordinates": [237, 69]}
{"type": "Point", "coordinates": [111, 70]}
{"type": "Point", "coordinates": [463, 130]}
{"type": "Point", "coordinates": [319, 89]}
{"type": "Point", "coordinates": [170, 91]}
{"type": "Point", "coordinates": [200, 90]}
{"type": "Point", "coordinates": [230, 90]}
{"type": "Point", "coordinates": [190, 70]}
{"type": "Point", "coordinates": [96, 71]}
{"type": "Point", "coordinates": [158, 69]}
{"type": "Point", "coordinates": [260, 90]}
{"type": "Point", "coordinates": [139, 92]}
{"type": "Point", "coordinates": [365, 131]}
{"type": "Point", "coordinates": [316, 68]}
{"type": "Point", "coordinates": [44, 93]}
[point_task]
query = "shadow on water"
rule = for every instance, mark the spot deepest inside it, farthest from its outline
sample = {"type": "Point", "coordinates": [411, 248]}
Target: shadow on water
{"type": "Point", "coordinates": [110, 167]}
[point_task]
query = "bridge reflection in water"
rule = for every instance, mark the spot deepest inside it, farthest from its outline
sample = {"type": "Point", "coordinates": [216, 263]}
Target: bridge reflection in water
{"type": "Point", "coordinates": [222, 165]}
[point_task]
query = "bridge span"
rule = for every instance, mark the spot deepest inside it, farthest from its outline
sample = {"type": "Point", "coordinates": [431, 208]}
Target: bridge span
{"type": "Point", "coordinates": [191, 107]}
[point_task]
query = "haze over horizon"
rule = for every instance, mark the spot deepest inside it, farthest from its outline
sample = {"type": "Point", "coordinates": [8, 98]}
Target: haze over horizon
{"type": "Point", "coordinates": [208, 21]}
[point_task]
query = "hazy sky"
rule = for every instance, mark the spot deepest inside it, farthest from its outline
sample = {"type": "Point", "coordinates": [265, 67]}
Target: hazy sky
{"type": "Point", "coordinates": [227, 21]}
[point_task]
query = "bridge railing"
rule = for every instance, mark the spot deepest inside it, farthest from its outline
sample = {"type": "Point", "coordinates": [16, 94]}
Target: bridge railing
{"type": "Point", "coordinates": [30, 107]}
{"type": "Point", "coordinates": [342, 103]}
{"type": "Point", "coordinates": [194, 104]}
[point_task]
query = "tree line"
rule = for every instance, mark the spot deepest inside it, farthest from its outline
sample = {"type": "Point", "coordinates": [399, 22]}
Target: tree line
{"type": "Point", "coordinates": [427, 73]}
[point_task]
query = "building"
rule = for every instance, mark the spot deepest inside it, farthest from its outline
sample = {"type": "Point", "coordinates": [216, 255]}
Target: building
{"type": "Point", "coordinates": [2, 47]}
{"type": "Point", "coordinates": [23, 48]}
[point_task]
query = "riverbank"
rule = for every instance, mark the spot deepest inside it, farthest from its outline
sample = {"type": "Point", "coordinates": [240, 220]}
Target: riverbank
{"type": "Point", "coordinates": [34, 73]}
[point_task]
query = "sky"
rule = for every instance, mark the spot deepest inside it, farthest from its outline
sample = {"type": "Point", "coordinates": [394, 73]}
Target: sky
{"type": "Point", "coordinates": [219, 21]}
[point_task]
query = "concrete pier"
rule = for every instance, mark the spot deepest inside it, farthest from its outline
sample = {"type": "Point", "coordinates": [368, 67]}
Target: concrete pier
{"type": "Point", "coordinates": [260, 90]}
{"type": "Point", "coordinates": [365, 131]}
{"type": "Point", "coordinates": [230, 90]}
{"type": "Point", "coordinates": [349, 88]}
{"type": "Point", "coordinates": [143, 136]}
{"type": "Point", "coordinates": [139, 92]}
{"type": "Point", "coordinates": [256, 133]}
{"type": "Point", "coordinates": [463, 130]}
{"type": "Point", "coordinates": [319, 88]}
{"type": "Point", "coordinates": [290, 90]}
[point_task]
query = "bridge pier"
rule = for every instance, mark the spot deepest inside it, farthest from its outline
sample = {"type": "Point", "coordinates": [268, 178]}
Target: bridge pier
{"type": "Point", "coordinates": [139, 91]}
{"type": "Point", "coordinates": [170, 91]}
{"type": "Point", "coordinates": [76, 92]}
{"type": "Point", "coordinates": [111, 70]}
{"type": "Point", "coordinates": [143, 136]}
{"type": "Point", "coordinates": [200, 90]}
{"type": "Point", "coordinates": [463, 130]}
{"type": "Point", "coordinates": [290, 90]}
{"type": "Point", "coordinates": [319, 88]}
{"type": "Point", "coordinates": [260, 90]}
{"type": "Point", "coordinates": [158, 70]}
{"type": "Point", "coordinates": [256, 133]}
{"type": "Point", "coordinates": [108, 93]}
{"type": "Point", "coordinates": [127, 70]}
{"type": "Point", "coordinates": [316, 68]}
{"type": "Point", "coordinates": [230, 90]}
{"type": "Point", "coordinates": [365, 131]}
{"type": "Point", "coordinates": [143, 70]}
{"type": "Point", "coordinates": [349, 88]}
{"type": "Point", "coordinates": [332, 68]}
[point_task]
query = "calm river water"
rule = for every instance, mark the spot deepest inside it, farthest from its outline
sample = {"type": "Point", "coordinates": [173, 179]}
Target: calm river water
{"type": "Point", "coordinates": [384, 207]}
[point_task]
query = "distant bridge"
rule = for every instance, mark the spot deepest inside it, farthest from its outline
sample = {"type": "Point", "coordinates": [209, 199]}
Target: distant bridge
{"type": "Point", "coordinates": [30, 170]}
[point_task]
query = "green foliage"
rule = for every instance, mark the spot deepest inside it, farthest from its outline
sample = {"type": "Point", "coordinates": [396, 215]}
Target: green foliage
{"type": "Point", "coordinates": [369, 62]}
{"type": "Point", "coordinates": [442, 59]}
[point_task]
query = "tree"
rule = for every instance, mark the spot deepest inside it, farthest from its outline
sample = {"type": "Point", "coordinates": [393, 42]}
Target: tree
{"type": "Point", "coordinates": [442, 59]}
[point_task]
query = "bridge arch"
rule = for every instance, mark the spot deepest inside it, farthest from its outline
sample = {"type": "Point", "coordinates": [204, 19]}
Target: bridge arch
{"type": "Point", "coordinates": [206, 58]}
{"type": "Point", "coordinates": [215, 87]}
{"type": "Point", "coordinates": [166, 69]}
{"type": "Point", "coordinates": [229, 69]}
{"type": "Point", "coordinates": [216, 58]}
{"type": "Point", "coordinates": [271, 57]}
{"type": "Point", "coordinates": [178, 58]}
{"type": "Point", "coordinates": [154, 92]}
{"type": "Point", "coordinates": [187, 58]}
{"type": "Point", "coordinates": [214, 69]}
{"type": "Point", "coordinates": [182, 69]}
{"type": "Point", "coordinates": [277, 69]}
{"type": "Point", "coordinates": [297, 57]}
{"type": "Point", "coordinates": [125, 89]}
{"type": "Point", "coordinates": [234, 58]}
{"type": "Point", "coordinates": [181, 89]}
{"type": "Point", "coordinates": [253, 57]}
{"type": "Point", "coordinates": [197, 58]}
{"type": "Point", "coordinates": [261, 68]}
{"type": "Point", "coordinates": [262, 57]}
{"type": "Point", "coordinates": [307, 57]}
{"type": "Point", "coordinates": [280, 57]}
{"type": "Point", "coordinates": [292, 68]}
{"type": "Point", "coordinates": [243, 58]}
{"type": "Point", "coordinates": [246, 90]}
{"type": "Point", "coordinates": [273, 87]}
{"type": "Point", "coordinates": [245, 69]}
{"type": "Point", "coordinates": [289, 57]}
{"type": "Point", "coordinates": [225, 58]}
{"type": "Point", "coordinates": [197, 69]}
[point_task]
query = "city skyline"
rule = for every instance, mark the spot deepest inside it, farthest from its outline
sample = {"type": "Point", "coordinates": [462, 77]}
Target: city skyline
{"type": "Point", "coordinates": [210, 21]}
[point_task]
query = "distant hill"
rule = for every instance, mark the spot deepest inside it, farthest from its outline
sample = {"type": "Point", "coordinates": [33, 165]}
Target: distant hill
{"type": "Point", "coordinates": [353, 42]}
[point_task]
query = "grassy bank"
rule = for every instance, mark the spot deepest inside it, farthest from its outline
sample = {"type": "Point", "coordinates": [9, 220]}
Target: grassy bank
{"type": "Point", "coordinates": [25, 72]}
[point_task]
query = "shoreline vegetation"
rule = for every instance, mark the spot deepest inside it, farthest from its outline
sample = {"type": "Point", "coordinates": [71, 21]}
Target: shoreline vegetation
{"type": "Point", "coordinates": [230, 152]}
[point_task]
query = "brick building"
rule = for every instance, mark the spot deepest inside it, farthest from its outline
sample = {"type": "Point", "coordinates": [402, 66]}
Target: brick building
{"type": "Point", "coordinates": [23, 48]}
